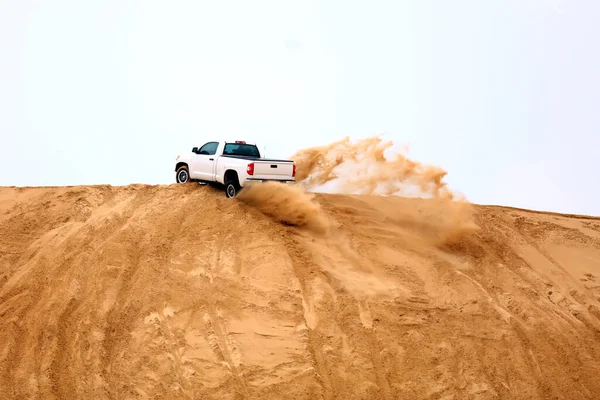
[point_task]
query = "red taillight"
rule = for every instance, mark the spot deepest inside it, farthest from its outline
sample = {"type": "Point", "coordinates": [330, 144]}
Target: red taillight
{"type": "Point", "coordinates": [294, 171]}
{"type": "Point", "coordinates": [250, 169]}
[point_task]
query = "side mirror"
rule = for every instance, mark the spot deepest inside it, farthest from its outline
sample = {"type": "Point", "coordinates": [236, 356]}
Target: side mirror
{"type": "Point", "coordinates": [195, 150]}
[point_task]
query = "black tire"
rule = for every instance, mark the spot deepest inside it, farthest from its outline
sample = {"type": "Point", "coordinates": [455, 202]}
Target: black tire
{"type": "Point", "coordinates": [182, 175]}
{"type": "Point", "coordinates": [232, 188]}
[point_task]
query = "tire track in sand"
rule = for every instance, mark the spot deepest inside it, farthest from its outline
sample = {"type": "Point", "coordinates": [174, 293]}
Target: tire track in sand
{"type": "Point", "coordinates": [17, 332]}
{"type": "Point", "coordinates": [216, 330]}
{"type": "Point", "coordinates": [359, 328]}
{"type": "Point", "coordinates": [9, 364]}
{"type": "Point", "coordinates": [306, 270]}
{"type": "Point", "coordinates": [62, 384]}
{"type": "Point", "coordinates": [224, 348]}
{"type": "Point", "coordinates": [118, 323]}
{"type": "Point", "coordinates": [122, 315]}
{"type": "Point", "coordinates": [375, 349]}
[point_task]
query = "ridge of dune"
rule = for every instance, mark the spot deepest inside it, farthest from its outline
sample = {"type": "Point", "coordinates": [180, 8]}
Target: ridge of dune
{"type": "Point", "coordinates": [174, 291]}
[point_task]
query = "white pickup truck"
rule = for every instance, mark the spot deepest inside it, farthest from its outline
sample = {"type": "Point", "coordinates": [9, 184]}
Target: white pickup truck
{"type": "Point", "coordinates": [232, 164]}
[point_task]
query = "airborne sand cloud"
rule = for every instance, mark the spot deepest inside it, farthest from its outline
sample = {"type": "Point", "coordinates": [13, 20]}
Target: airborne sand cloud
{"type": "Point", "coordinates": [369, 166]}
{"type": "Point", "coordinates": [288, 204]}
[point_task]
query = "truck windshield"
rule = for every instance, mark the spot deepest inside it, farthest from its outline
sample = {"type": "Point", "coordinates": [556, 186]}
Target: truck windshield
{"type": "Point", "coordinates": [236, 149]}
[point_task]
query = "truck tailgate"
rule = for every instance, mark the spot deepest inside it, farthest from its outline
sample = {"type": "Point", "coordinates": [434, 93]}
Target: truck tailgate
{"type": "Point", "coordinates": [273, 170]}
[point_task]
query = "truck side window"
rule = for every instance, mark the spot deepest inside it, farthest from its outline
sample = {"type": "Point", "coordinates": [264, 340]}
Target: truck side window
{"type": "Point", "coordinates": [209, 148]}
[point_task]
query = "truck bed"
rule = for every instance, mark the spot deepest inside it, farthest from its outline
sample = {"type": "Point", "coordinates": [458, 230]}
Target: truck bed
{"type": "Point", "coordinates": [255, 158]}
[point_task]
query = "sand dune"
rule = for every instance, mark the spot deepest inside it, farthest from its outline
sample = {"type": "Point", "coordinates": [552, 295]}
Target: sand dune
{"type": "Point", "coordinates": [175, 292]}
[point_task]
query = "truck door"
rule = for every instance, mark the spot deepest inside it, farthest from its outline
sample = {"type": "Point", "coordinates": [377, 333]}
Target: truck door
{"type": "Point", "coordinates": [203, 162]}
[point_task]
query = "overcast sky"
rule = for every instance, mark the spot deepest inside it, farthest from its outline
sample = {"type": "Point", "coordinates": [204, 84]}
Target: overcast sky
{"type": "Point", "coordinates": [504, 95]}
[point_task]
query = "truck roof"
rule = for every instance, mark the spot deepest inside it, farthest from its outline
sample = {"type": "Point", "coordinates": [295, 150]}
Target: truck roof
{"type": "Point", "coordinates": [240, 142]}
{"type": "Point", "coordinates": [231, 141]}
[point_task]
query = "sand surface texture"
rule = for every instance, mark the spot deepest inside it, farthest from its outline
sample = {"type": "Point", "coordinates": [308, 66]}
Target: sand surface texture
{"type": "Point", "coordinates": [175, 292]}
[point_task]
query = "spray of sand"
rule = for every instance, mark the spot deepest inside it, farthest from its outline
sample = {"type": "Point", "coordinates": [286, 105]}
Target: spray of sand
{"type": "Point", "coordinates": [287, 204]}
{"type": "Point", "coordinates": [373, 166]}
{"type": "Point", "coordinates": [368, 166]}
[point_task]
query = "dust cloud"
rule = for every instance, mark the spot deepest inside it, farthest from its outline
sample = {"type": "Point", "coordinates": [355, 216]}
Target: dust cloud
{"type": "Point", "coordinates": [288, 204]}
{"type": "Point", "coordinates": [439, 222]}
{"type": "Point", "coordinates": [368, 166]}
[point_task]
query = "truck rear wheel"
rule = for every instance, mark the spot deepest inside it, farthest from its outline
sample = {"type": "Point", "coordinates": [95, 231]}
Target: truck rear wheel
{"type": "Point", "coordinates": [183, 174]}
{"type": "Point", "coordinates": [232, 187]}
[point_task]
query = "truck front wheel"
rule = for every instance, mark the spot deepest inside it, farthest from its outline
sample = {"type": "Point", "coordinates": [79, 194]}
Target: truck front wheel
{"type": "Point", "coordinates": [183, 174]}
{"type": "Point", "coordinates": [232, 187]}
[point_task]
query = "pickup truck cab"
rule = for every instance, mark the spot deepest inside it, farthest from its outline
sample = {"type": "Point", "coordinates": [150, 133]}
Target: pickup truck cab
{"type": "Point", "coordinates": [232, 164]}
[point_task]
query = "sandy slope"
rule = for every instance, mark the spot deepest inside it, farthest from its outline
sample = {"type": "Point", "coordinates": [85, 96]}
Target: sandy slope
{"type": "Point", "coordinates": [177, 292]}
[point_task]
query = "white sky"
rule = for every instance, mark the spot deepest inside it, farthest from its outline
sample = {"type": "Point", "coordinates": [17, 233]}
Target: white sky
{"type": "Point", "coordinates": [503, 95]}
